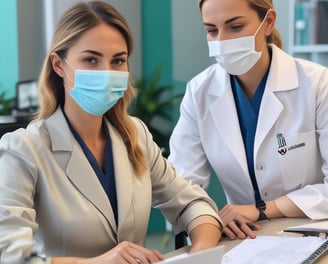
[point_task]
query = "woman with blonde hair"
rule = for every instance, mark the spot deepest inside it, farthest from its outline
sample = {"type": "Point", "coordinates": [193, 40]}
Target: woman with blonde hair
{"type": "Point", "coordinates": [257, 118]}
{"type": "Point", "coordinates": [77, 185]}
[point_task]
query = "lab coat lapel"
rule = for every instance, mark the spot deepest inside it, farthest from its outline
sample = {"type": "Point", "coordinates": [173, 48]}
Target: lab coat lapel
{"type": "Point", "coordinates": [270, 110]}
{"type": "Point", "coordinates": [81, 174]}
{"type": "Point", "coordinates": [282, 77]}
{"type": "Point", "coordinates": [228, 126]}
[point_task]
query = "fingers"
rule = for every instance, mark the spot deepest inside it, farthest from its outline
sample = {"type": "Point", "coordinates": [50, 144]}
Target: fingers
{"type": "Point", "coordinates": [240, 230]}
{"type": "Point", "coordinates": [235, 231]}
{"type": "Point", "coordinates": [237, 221]}
{"type": "Point", "coordinates": [135, 254]}
{"type": "Point", "coordinates": [157, 254]}
{"type": "Point", "coordinates": [249, 228]}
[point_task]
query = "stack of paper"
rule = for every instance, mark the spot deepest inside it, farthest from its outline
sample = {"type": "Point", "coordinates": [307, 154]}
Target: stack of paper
{"type": "Point", "coordinates": [317, 227]}
{"type": "Point", "coordinates": [277, 250]}
{"type": "Point", "coordinates": [208, 256]}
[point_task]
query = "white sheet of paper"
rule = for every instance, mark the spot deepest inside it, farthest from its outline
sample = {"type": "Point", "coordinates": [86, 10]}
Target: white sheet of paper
{"type": "Point", "coordinates": [208, 256]}
{"type": "Point", "coordinates": [317, 226]}
{"type": "Point", "coordinates": [273, 250]}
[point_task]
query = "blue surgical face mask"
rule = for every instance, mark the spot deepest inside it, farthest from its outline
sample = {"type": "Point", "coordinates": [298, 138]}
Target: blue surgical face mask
{"type": "Point", "coordinates": [97, 91]}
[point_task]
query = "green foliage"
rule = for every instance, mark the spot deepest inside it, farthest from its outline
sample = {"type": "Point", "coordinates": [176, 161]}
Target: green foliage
{"type": "Point", "coordinates": [6, 105]}
{"type": "Point", "coordinates": [154, 105]}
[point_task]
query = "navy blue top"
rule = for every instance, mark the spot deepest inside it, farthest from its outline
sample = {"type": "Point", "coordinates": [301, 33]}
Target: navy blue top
{"type": "Point", "coordinates": [105, 175]}
{"type": "Point", "coordinates": [248, 112]}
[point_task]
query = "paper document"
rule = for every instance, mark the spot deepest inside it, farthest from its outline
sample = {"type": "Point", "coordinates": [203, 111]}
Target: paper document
{"type": "Point", "coordinates": [273, 250]}
{"type": "Point", "coordinates": [316, 226]}
{"type": "Point", "coordinates": [208, 256]}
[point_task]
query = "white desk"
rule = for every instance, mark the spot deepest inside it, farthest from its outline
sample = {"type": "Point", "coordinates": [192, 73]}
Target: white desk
{"type": "Point", "coordinates": [268, 228]}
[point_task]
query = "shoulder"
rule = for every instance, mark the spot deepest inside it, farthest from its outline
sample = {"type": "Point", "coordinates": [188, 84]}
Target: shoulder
{"type": "Point", "coordinates": [140, 125]}
{"type": "Point", "coordinates": [213, 81]}
{"type": "Point", "coordinates": [304, 68]}
{"type": "Point", "coordinates": [142, 129]}
{"type": "Point", "coordinates": [310, 69]}
{"type": "Point", "coordinates": [26, 141]}
{"type": "Point", "coordinates": [213, 72]}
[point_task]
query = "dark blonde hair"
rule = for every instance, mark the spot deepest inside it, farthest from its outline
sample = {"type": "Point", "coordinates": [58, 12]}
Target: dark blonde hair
{"type": "Point", "coordinates": [72, 25]}
{"type": "Point", "coordinates": [260, 7]}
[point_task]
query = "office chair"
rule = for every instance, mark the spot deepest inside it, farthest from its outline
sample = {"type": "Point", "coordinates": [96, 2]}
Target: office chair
{"type": "Point", "coordinates": [9, 127]}
{"type": "Point", "coordinates": [180, 240]}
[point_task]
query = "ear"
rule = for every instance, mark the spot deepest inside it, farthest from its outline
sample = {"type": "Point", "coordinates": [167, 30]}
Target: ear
{"type": "Point", "coordinates": [57, 64]}
{"type": "Point", "coordinates": [270, 21]}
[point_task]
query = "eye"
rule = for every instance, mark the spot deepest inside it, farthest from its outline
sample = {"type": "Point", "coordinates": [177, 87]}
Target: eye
{"type": "Point", "coordinates": [91, 60]}
{"type": "Point", "coordinates": [118, 61]}
{"type": "Point", "coordinates": [212, 31]}
{"type": "Point", "coordinates": [236, 27]}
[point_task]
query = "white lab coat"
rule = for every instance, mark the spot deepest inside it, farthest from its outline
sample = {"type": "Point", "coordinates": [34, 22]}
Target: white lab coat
{"type": "Point", "coordinates": [294, 111]}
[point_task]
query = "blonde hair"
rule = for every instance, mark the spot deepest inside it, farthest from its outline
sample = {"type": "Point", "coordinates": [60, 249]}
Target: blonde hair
{"type": "Point", "coordinates": [72, 25]}
{"type": "Point", "coordinates": [261, 7]}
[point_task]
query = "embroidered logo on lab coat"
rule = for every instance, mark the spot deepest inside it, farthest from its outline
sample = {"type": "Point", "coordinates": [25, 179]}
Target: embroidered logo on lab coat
{"type": "Point", "coordinates": [282, 150]}
{"type": "Point", "coordinates": [282, 145]}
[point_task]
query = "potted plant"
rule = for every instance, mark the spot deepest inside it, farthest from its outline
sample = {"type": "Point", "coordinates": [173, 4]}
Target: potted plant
{"type": "Point", "coordinates": [153, 104]}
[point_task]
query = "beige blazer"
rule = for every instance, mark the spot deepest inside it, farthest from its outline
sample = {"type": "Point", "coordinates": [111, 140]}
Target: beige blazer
{"type": "Point", "coordinates": [48, 190]}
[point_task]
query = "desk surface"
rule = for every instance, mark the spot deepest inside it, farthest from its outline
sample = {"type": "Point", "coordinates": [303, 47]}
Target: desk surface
{"type": "Point", "coordinates": [268, 228]}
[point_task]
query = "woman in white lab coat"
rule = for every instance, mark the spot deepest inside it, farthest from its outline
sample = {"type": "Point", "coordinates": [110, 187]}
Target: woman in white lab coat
{"type": "Point", "coordinates": [258, 118]}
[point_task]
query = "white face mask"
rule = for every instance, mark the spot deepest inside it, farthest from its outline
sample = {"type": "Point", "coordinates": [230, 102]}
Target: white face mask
{"type": "Point", "coordinates": [237, 56]}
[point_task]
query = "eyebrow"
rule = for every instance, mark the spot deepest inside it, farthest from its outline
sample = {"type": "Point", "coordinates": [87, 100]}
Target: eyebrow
{"type": "Point", "coordinates": [93, 52]}
{"type": "Point", "coordinates": [232, 19]}
{"type": "Point", "coordinates": [225, 22]}
{"type": "Point", "coordinates": [101, 55]}
{"type": "Point", "coordinates": [120, 54]}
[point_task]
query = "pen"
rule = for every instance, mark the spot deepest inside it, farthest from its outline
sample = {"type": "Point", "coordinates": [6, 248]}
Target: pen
{"type": "Point", "coordinates": [313, 233]}
{"type": "Point", "coordinates": [251, 226]}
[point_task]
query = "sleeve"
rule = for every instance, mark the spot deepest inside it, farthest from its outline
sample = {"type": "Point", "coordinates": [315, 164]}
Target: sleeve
{"type": "Point", "coordinates": [313, 199]}
{"type": "Point", "coordinates": [178, 199]}
{"type": "Point", "coordinates": [17, 216]}
{"type": "Point", "coordinates": [186, 149]}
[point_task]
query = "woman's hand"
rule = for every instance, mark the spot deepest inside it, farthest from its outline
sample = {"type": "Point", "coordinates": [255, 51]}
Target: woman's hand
{"type": "Point", "coordinates": [239, 221]}
{"type": "Point", "coordinates": [123, 253]}
{"type": "Point", "coordinates": [130, 253]}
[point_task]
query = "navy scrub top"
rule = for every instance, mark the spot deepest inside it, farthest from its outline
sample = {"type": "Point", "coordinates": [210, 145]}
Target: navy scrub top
{"type": "Point", "coordinates": [105, 175]}
{"type": "Point", "coordinates": [248, 112]}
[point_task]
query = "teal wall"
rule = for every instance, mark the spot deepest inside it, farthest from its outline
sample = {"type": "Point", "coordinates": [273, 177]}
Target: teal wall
{"type": "Point", "coordinates": [9, 70]}
{"type": "Point", "coordinates": [157, 39]}
{"type": "Point", "coordinates": [157, 49]}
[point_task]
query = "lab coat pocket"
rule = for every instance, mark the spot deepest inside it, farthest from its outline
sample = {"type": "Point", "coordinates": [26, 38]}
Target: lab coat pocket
{"type": "Point", "coordinates": [297, 159]}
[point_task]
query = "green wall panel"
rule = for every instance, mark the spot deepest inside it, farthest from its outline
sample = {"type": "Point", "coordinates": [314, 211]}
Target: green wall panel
{"type": "Point", "coordinates": [157, 38]}
{"type": "Point", "coordinates": [8, 48]}
{"type": "Point", "coordinates": [157, 50]}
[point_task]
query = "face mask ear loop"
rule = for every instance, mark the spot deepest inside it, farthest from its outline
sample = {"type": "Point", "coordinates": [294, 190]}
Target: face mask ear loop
{"type": "Point", "coordinates": [66, 63]}
{"type": "Point", "coordinates": [258, 29]}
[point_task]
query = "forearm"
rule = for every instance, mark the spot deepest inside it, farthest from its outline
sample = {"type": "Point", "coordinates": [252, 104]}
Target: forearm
{"type": "Point", "coordinates": [205, 234]}
{"type": "Point", "coordinates": [282, 207]}
{"type": "Point", "coordinates": [67, 260]}
{"type": "Point", "coordinates": [285, 207]}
